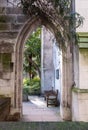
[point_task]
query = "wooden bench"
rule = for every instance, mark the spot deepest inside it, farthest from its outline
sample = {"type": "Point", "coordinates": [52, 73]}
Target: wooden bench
{"type": "Point", "coordinates": [51, 97]}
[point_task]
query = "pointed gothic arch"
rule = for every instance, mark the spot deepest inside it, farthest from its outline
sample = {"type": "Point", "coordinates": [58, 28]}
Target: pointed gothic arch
{"type": "Point", "coordinates": [57, 20]}
{"type": "Point", "coordinates": [25, 32]}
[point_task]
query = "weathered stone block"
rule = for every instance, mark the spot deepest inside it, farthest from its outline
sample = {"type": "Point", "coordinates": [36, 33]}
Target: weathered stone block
{"type": "Point", "coordinates": [5, 84]}
{"type": "Point", "coordinates": [9, 34]}
{"type": "Point", "coordinates": [79, 102]}
{"type": "Point", "coordinates": [3, 3]}
{"type": "Point", "coordinates": [7, 18]}
{"type": "Point", "coordinates": [5, 26]}
{"type": "Point", "coordinates": [2, 19]}
{"type": "Point", "coordinates": [83, 96]}
{"type": "Point", "coordinates": [16, 26]}
{"type": "Point", "coordinates": [6, 47]}
{"type": "Point", "coordinates": [15, 10]}
{"type": "Point", "coordinates": [2, 10]}
{"type": "Point", "coordinates": [82, 104]}
{"type": "Point", "coordinates": [1, 74]}
{"type": "Point", "coordinates": [5, 104]}
{"type": "Point", "coordinates": [83, 68]}
{"type": "Point", "coordinates": [75, 111]}
{"type": "Point", "coordinates": [22, 18]}
{"type": "Point", "coordinates": [0, 66]}
{"type": "Point", "coordinates": [6, 75]}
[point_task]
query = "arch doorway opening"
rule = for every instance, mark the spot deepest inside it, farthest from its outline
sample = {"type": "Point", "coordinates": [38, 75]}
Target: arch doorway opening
{"type": "Point", "coordinates": [66, 81]}
{"type": "Point", "coordinates": [41, 72]}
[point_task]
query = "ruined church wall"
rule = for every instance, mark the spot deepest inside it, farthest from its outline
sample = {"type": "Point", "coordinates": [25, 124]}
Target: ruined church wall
{"type": "Point", "coordinates": [80, 90]}
{"type": "Point", "coordinates": [11, 21]}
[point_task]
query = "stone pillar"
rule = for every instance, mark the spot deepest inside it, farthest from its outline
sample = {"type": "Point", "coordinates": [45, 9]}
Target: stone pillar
{"type": "Point", "coordinates": [76, 82]}
{"type": "Point", "coordinates": [65, 107]}
{"type": "Point", "coordinates": [47, 66]}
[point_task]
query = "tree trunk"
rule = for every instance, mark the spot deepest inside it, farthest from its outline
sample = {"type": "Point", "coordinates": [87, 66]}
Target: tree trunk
{"type": "Point", "coordinates": [35, 66]}
{"type": "Point", "coordinates": [30, 66]}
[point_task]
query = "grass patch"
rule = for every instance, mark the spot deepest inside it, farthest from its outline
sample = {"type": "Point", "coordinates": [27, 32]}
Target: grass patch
{"type": "Point", "coordinates": [43, 126]}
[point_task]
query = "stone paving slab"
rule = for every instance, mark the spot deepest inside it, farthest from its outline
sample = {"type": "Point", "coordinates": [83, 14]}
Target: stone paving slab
{"type": "Point", "coordinates": [37, 110]}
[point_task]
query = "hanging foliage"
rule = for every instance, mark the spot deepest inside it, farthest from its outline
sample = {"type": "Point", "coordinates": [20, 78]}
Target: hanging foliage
{"type": "Point", "coordinates": [59, 15]}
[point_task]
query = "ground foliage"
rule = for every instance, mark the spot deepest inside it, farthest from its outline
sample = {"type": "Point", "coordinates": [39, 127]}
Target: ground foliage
{"type": "Point", "coordinates": [60, 16]}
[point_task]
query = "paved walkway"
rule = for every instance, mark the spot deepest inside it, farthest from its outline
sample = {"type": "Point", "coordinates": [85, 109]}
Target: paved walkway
{"type": "Point", "coordinates": [36, 110]}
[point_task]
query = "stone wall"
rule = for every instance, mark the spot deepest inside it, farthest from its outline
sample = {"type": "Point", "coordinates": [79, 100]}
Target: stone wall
{"type": "Point", "coordinates": [80, 105]}
{"type": "Point", "coordinates": [5, 104]}
{"type": "Point", "coordinates": [83, 68]}
{"type": "Point", "coordinates": [47, 60]}
{"type": "Point", "coordinates": [11, 21]}
{"type": "Point", "coordinates": [80, 89]}
{"type": "Point", "coordinates": [80, 92]}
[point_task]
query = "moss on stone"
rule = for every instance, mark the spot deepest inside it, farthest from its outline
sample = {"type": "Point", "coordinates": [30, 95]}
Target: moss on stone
{"type": "Point", "coordinates": [82, 33]}
{"type": "Point", "coordinates": [0, 58]}
{"type": "Point", "coordinates": [83, 39]}
{"type": "Point", "coordinates": [1, 96]}
{"type": "Point", "coordinates": [4, 26]}
{"type": "Point", "coordinates": [83, 45]}
{"type": "Point", "coordinates": [78, 90]}
{"type": "Point", "coordinates": [6, 60]}
{"type": "Point", "coordinates": [3, 18]}
{"type": "Point", "coordinates": [2, 10]}
{"type": "Point", "coordinates": [6, 57]}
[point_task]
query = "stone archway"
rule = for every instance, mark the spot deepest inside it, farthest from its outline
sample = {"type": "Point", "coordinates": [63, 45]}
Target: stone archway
{"type": "Point", "coordinates": [27, 29]}
{"type": "Point", "coordinates": [29, 26]}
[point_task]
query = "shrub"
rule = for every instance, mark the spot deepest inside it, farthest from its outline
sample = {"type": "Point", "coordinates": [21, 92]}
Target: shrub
{"type": "Point", "coordinates": [26, 90]}
{"type": "Point", "coordinates": [32, 86]}
{"type": "Point", "coordinates": [26, 81]}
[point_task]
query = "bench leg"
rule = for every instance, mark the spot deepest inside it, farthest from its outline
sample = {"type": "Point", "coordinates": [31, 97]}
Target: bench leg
{"type": "Point", "coordinates": [47, 102]}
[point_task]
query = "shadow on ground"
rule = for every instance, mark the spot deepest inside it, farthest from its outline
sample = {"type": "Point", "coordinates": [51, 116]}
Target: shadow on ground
{"type": "Point", "coordinates": [36, 110]}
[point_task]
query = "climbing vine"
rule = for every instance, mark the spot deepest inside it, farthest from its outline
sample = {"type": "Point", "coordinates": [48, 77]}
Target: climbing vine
{"type": "Point", "coordinates": [58, 13]}
{"type": "Point", "coordinates": [62, 5]}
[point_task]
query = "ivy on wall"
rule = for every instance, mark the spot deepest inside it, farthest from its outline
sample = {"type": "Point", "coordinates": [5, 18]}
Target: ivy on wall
{"type": "Point", "coordinates": [5, 60]}
{"type": "Point", "coordinates": [59, 14]}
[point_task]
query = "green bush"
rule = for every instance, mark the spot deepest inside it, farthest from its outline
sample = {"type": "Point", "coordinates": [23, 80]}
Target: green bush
{"type": "Point", "coordinates": [32, 87]}
{"type": "Point", "coordinates": [26, 81]}
{"type": "Point", "coordinates": [26, 90]}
